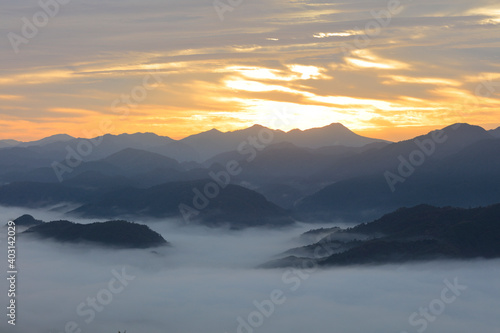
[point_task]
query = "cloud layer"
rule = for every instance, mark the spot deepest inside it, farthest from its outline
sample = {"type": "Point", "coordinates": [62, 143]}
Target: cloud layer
{"type": "Point", "coordinates": [207, 281]}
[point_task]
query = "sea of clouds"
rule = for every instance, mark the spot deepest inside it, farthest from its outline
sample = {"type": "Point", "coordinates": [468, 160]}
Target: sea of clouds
{"type": "Point", "coordinates": [207, 282]}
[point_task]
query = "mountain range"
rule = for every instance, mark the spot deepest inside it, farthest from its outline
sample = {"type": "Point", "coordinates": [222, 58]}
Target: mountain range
{"type": "Point", "coordinates": [118, 234]}
{"type": "Point", "coordinates": [197, 148]}
{"type": "Point", "coordinates": [262, 177]}
{"type": "Point", "coordinates": [419, 233]}
{"type": "Point", "coordinates": [462, 171]}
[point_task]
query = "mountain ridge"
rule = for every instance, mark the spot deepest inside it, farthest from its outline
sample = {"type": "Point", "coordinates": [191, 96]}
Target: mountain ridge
{"type": "Point", "coordinates": [116, 233]}
{"type": "Point", "coordinates": [418, 233]}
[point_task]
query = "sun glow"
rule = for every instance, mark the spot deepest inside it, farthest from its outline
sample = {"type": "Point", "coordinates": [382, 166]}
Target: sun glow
{"type": "Point", "coordinates": [346, 33]}
{"type": "Point", "coordinates": [418, 72]}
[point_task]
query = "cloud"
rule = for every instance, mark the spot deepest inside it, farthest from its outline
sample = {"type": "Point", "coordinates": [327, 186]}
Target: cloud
{"type": "Point", "coordinates": [207, 281]}
{"type": "Point", "coordinates": [90, 52]}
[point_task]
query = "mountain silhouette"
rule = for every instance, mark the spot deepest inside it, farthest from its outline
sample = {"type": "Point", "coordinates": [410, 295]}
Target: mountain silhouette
{"type": "Point", "coordinates": [419, 233]}
{"type": "Point", "coordinates": [462, 171]}
{"type": "Point", "coordinates": [235, 206]}
{"type": "Point", "coordinates": [27, 221]}
{"type": "Point", "coordinates": [321, 174]}
{"type": "Point", "coordinates": [214, 142]}
{"type": "Point", "coordinates": [120, 234]}
{"type": "Point", "coordinates": [495, 132]}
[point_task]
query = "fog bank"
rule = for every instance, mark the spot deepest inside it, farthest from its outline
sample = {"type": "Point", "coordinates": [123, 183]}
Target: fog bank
{"type": "Point", "coordinates": [207, 282]}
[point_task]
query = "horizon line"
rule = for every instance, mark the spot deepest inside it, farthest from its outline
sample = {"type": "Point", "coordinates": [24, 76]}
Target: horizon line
{"type": "Point", "coordinates": [259, 125]}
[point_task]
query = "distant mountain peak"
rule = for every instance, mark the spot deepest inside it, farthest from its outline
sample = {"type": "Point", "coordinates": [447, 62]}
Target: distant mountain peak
{"type": "Point", "coordinates": [60, 137]}
{"type": "Point", "coordinates": [48, 140]}
{"type": "Point", "coordinates": [253, 128]}
{"type": "Point", "coordinates": [258, 126]}
{"type": "Point", "coordinates": [210, 133]}
{"type": "Point", "coordinates": [466, 132]}
{"type": "Point", "coordinates": [495, 132]}
{"type": "Point", "coordinates": [336, 126]}
{"type": "Point", "coordinates": [460, 132]}
{"type": "Point", "coordinates": [27, 220]}
{"type": "Point", "coordinates": [142, 134]}
{"type": "Point", "coordinates": [461, 126]}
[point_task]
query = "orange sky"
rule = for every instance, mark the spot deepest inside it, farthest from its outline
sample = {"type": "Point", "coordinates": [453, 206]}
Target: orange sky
{"type": "Point", "coordinates": [177, 69]}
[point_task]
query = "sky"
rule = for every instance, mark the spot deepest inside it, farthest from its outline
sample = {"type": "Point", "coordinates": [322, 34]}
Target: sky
{"type": "Point", "coordinates": [388, 69]}
{"type": "Point", "coordinates": [207, 280]}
